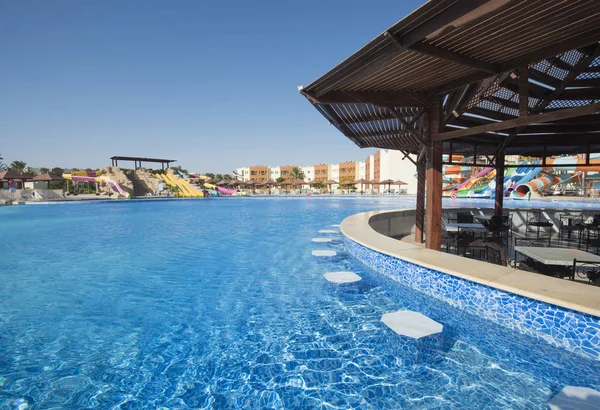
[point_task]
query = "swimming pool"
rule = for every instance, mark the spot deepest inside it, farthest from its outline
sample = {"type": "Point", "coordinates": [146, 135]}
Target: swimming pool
{"type": "Point", "coordinates": [190, 304]}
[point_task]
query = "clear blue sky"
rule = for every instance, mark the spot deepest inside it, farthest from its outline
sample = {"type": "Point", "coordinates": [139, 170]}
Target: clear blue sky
{"type": "Point", "coordinates": [211, 84]}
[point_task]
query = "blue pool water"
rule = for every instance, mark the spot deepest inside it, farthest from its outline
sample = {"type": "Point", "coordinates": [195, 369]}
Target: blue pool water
{"type": "Point", "coordinates": [219, 304]}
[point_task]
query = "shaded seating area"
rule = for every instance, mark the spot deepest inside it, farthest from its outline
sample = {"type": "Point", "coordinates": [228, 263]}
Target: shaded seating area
{"type": "Point", "coordinates": [454, 79]}
{"type": "Point", "coordinates": [495, 239]}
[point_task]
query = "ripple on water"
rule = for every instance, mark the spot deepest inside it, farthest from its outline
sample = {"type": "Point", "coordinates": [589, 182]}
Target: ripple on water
{"type": "Point", "coordinates": [219, 304]}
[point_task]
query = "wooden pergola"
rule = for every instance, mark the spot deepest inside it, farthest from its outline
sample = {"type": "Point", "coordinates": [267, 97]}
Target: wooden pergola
{"type": "Point", "coordinates": [475, 78]}
{"type": "Point", "coordinates": [138, 161]}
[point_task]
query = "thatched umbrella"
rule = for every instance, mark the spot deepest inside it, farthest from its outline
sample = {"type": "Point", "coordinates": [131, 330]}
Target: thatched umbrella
{"type": "Point", "coordinates": [222, 182]}
{"type": "Point", "coordinates": [236, 182]}
{"type": "Point", "coordinates": [361, 182]}
{"type": "Point", "coordinates": [329, 183]}
{"type": "Point", "coordinates": [387, 182]}
{"type": "Point", "coordinates": [269, 183]}
{"type": "Point", "coordinates": [399, 183]}
{"type": "Point", "coordinates": [285, 183]}
{"type": "Point", "coordinates": [299, 182]}
{"type": "Point", "coordinates": [253, 184]}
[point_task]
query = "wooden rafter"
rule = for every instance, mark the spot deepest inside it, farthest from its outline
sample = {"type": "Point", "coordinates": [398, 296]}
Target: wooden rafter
{"type": "Point", "coordinates": [573, 73]}
{"type": "Point", "coordinates": [458, 58]}
{"type": "Point", "coordinates": [546, 52]}
{"type": "Point", "coordinates": [525, 120]}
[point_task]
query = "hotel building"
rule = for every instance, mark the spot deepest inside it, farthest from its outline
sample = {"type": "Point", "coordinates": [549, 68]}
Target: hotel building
{"type": "Point", "coordinates": [380, 166]}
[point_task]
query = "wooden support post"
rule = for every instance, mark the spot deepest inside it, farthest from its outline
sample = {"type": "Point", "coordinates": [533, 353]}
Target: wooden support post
{"type": "Point", "coordinates": [433, 208]}
{"type": "Point", "coordinates": [420, 211]}
{"type": "Point", "coordinates": [499, 198]}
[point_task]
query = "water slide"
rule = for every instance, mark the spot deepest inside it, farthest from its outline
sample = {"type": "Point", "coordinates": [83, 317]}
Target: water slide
{"type": "Point", "coordinates": [463, 189]}
{"type": "Point", "coordinates": [116, 188]}
{"type": "Point", "coordinates": [524, 189]}
{"type": "Point", "coordinates": [97, 177]}
{"type": "Point", "coordinates": [219, 189]}
{"type": "Point", "coordinates": [181, 185]}
{"type": "Point", "coordinates": [489, 190]}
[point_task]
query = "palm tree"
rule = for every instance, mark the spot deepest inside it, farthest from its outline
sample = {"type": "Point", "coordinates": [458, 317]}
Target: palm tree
{"type": "Point", "coordinates": [2, 164]}
{"type": "Point", "coordinates": [18, 166]}
{"type": "Point", "coordinates": [297, 173]}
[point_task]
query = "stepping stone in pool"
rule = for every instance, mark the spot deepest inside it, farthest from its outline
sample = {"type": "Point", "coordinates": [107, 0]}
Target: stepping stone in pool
{"type": "Point", "coordinates": [327, 231]}
{"type": "Point", "coordinates": [418, 340]}
{"type": "Point", "coordinates": [573, 397]}
{"type": "Point", "coordinates": [322, 240]}
{"type": "Point", "coordinates": [411, 324]}
{"type": "Point", "coordinates": [342, 277]}
{"type": "Point", "coordinates": [324, 252]}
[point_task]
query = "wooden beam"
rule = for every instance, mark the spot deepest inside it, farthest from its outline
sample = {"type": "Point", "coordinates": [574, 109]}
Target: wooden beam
{"type": "Point", "coordinates": [573, 74]}
{"type": "Point", "coordinates": [433, 208]}
{"type": "Point", "coordinates": [420, 205]}
{"type": "Point", "coordinates": [499, 192]}
{"type": "Point", "coordinates": [517, 122]}
{"type": "Point", "coordinates": [523, 91]}
{"type": "Point", "coordinates": [458, 58]}
{"type": "Point", "coordinates": [375, 97]}
{"type": "Point", "coordinates": [408, 125]}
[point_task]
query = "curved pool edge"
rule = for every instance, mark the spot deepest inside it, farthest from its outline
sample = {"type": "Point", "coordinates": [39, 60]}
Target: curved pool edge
{"type": "Point", "coordinates": [557, 311]}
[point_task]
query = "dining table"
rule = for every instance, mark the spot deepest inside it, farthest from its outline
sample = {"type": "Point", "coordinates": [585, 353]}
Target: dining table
{"type": "Point", "coordinates": [551, 256]}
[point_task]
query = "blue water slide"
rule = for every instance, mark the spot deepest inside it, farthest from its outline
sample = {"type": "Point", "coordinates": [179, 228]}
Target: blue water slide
{"type": "Point", "coordinates": [529, 175]}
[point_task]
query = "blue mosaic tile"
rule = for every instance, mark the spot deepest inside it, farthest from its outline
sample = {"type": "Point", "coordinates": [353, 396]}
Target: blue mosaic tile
{"type": "Point", "coordinates": [567, 329]}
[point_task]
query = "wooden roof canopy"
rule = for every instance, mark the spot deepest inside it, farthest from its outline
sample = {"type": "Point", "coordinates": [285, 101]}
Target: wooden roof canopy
{"type": "Point", "coordinates": [517, 75]}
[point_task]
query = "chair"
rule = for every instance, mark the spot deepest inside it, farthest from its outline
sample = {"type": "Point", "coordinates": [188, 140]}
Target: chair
{"type": "Point", "coordinates": [464, 218]}
{"type": "Point", "coordinates": [448, 239]}
{"type": "Point", "coordinates": [494, 253]}
{"type": "Point", "coordinates": [537, 221]}
{"type": "Point", "coordinates": [588, 270]}
{"type": "Point", "coordinates": [592, 234]}
{"type": "Point", "coordinates": [569, 224]}
{"type": "Point", "coordinates": [464, 238]}
{"type": "Point", "coordinates": [499, 226]}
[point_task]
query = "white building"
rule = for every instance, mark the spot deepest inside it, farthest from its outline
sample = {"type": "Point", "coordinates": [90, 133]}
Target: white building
{"type": "Point", "coordinates": [309, 173]}
{"type": "Point", "coordinates": [370, 166]}
{"type": "Point", "coordinates": [243, 173]}
{"type": "Point", "coordinates": [335, 174]}
{"type": "Point", "coordinates": [392, 166]}
{"type": "Point", "coordinates": [274, 173]}
{"type": "Point", "coordinates": [360, 170]}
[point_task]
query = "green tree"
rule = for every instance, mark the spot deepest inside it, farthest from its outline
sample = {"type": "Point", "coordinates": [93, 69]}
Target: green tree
{"type": "Point", "coordinates": [2, 164]}
{"type": "Point", "coordinates": [280, 180]}
{"type": "Point", "coordinates": [297, 173]}
{"type": "Point", "coordinates": [218, 177]}
{"type": "Point", "coordinates": [210, 175]}
{"type": "Point", "coordinates": [227, 177]}
{"type": "Point", "coordinates": [57, 171]}
{"type": "Point", "coordinates": [43, 170]}
{"type": "Point", "coordinates": [18, 166]}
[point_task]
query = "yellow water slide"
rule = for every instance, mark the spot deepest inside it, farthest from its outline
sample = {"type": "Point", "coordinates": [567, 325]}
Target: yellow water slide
{"type": "Point", "coordinates": [184, 187]}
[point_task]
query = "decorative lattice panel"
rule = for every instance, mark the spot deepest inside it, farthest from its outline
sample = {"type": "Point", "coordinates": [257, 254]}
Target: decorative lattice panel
{"type": "Point", "coordinates": [587, 76]}
{"type": "Point", "coordinates": [568, 103]}
{"type": "Point", "coordinates": [572, 57]}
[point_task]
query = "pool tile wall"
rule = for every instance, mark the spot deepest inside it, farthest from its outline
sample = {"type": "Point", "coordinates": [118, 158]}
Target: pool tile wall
{"type": "Point", "coordinates": [573, 331]}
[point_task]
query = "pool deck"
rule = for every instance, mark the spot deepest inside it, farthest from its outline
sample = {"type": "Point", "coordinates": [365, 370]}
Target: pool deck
{"type": "Point", "coordinates": [560, 292]}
